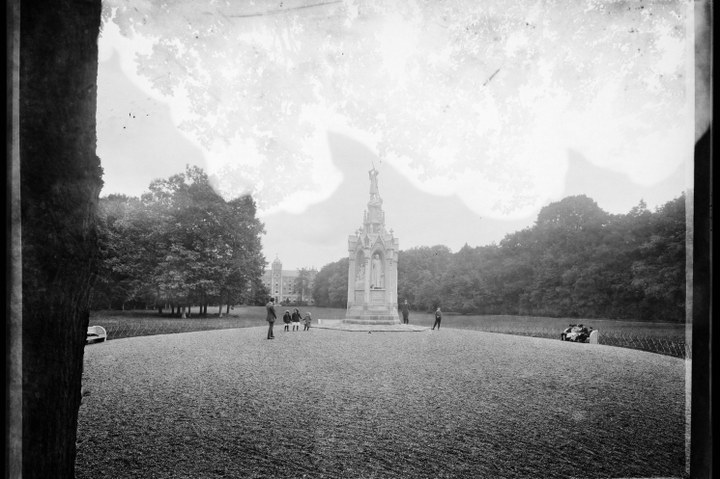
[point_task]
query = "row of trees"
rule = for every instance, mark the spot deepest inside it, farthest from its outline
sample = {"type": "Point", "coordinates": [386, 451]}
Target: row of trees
{"type": "Point", "coordinates": [179, 244]}
{"type": "Point", "coordinates": [575, 261]}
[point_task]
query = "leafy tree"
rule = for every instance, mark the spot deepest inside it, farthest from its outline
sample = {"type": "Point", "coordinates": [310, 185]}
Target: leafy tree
{"type": "Point", "coordinates": [127, 253]}
{"type": "Point", "coordinates": [303, 282]}
{"type": "Point", "coordinates": [462, 282]}
{"type": "Point", "coordinates": [659, 272]}
{"type": "Point", "coordinates": [577, 260]}
{"type": "Point", "coordinates": [247, 262]}
{"type": "Point", "coordinates": [258, 293]}
{"type": "Point", "coordinates": [515, 273]}
{"type": "Point", "coordinates": [565, 237]}
{"type": "Point", "coordinates": [420, 273]}
{"type": "Point", "coordinates": [180, 244]}
{"type": "Point", "coordinates": [331, 283]}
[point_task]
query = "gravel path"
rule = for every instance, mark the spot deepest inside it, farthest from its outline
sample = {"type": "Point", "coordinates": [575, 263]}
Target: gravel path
{"type": "Point", "coordinates": [326, 404]}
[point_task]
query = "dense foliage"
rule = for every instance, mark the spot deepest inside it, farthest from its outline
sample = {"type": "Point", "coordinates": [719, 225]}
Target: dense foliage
{"type": "Point", "coordinates": [575, 261]}
{"type": "Point", "coordinates": [331, 283]}
{"type": "Point", "coordinates": [180, 244]}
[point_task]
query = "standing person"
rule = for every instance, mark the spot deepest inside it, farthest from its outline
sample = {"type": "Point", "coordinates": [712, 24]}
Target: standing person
{"type": "Point", "coordinates": [307, 321]}
{"type": "Point", "coordinates": [405, 312]}
{"type": "Point", "coordinates": [271, 317]}
{"type": "Point", "coordinates": [286, 320]}
{"type": "Point", "coordinates": [296, 320]}
{"type": "Point", "coordinates": [438, 317]}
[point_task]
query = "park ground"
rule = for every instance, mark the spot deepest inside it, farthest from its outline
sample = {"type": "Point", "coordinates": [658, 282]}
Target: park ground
{"type": "Point", "coordinates": [664, 338]}
{"type": "Point", "coordinates": [326, 404]}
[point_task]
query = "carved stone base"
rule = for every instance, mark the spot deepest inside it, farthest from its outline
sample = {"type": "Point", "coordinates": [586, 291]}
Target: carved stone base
{"type": "Point", "coordinates": [371, 317]}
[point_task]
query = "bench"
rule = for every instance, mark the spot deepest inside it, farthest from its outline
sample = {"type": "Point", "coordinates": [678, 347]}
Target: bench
{"type": "Point", "coordinates": [95, 334]}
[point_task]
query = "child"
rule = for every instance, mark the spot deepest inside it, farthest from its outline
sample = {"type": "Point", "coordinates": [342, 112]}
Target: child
{"type": "Point", "coordinates": [286, 320]}
{"type": "Point", "coordinates": [307, 321]}
{"type": "Point", "coordinates": [296, 320]}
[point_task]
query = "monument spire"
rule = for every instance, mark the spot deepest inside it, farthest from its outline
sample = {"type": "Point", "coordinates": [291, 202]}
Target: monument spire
{"type": "Point", "coordinates": [374, 218]}
{"type": "Point", "coordinates": [372, 271]}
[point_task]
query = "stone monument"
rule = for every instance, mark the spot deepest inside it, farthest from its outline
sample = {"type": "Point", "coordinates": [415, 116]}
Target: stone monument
{"type": "Point", "coordinates": [372, 273]}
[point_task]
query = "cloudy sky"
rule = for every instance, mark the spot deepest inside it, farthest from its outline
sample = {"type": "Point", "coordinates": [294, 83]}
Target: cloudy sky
{"type": "Point", "coordinates": [476, 114]}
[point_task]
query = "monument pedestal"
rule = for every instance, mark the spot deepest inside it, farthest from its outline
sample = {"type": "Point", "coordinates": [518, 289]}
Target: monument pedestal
{"type": "Point", "coordinates": [342, 325]}
{"type": "Point", "coordinates": [378, 309]}
{"type": "Point", "coordinates": [372, 319]}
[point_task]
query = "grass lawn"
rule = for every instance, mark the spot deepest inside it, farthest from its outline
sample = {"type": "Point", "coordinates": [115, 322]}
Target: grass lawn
{"type": "Point", "coordinates": [249, 316]}
{"type": "Point", "coordinates": [666, 338]}
{"type": "Point", "coordinates": [325, 404]}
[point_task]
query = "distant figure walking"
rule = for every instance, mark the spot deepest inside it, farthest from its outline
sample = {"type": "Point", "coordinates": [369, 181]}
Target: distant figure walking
{"type": "Point", "coordinates": [286, 320]}
{"type": "Point", "coordinates": [271, 317]}
{"type": "Point", "coordinates": [438, 318]}
{"type": "Point", "coordinates": [296, 320]}
{"type": "Point", "coordinates": [307, 321]}
{"type": "Point", "coordinates": [405, 312]}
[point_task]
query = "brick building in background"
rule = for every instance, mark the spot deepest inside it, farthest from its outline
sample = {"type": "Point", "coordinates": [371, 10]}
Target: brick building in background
{"type": "Point", "coordinates": [284, 285]}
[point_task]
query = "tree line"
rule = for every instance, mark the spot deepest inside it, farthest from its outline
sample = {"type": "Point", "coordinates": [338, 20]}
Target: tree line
{"type": "Point", "coordinates": [179, 244]}
{"type": "Point", "coordinates": [576, 261]}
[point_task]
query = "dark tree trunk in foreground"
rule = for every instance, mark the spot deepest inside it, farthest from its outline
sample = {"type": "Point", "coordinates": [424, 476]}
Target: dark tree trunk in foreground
{"type": "Point", "coordinates": [60, 179]}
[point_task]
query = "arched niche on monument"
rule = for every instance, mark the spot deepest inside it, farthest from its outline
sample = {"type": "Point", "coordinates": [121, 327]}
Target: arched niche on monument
{"type": "Point", "coordinates": [377, 270]}
{"type": "Point", "coordinates": [360, 270]}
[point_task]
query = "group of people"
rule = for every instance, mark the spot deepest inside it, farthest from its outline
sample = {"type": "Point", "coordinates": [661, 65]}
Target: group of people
{"type": "Point", "coordinates": [295, 318]}
{"type": "Point", "coordinates": [288, 319]}
{"type": "Point", "coordinates": [404, 309]}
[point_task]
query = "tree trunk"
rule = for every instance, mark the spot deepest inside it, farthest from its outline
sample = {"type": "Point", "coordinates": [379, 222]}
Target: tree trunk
{"type": "Point", "coordinates": [60, 181]}
{"type": "Point", "coordinates": [205, 306]}
{"type": "Point", "coordinates": [227, 310]}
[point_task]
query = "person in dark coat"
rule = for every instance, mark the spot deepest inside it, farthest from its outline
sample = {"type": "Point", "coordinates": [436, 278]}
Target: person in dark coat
{"type": "Point", "coordinates": [438, 317]}
{"type": "Point", "coordinates": [270, 317]}
{"type": "Point", "coordinates": [296, 320]}
{"type": "Point", "coordinates": [286, 320]}
{"type": "Point", "coordinates": [405, 312]}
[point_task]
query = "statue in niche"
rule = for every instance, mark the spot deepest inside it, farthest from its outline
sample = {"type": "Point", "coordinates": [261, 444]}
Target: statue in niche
{"type": "Point", "coordinates": [376, 273]}
{"type": "Point", "coordinates": [360, 275]}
